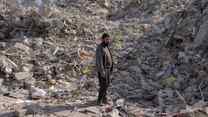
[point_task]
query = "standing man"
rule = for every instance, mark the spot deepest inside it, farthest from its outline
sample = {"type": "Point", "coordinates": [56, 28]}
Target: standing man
{"type": "Point", "coordinates": [104, 65]}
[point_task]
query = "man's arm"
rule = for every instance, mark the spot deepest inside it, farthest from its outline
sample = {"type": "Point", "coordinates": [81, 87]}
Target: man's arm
{"type": "Point", "coordinates": [111, 69]}
{"type": "Point", "coordinates": [99, 61]}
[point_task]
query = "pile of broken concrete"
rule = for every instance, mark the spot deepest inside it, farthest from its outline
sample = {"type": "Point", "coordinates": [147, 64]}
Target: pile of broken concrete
{"type": "Point", "coordinates": [47, 58]}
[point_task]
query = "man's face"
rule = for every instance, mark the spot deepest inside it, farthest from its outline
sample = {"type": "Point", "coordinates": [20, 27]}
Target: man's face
{"type": "Point", "coordinates": [107, 40]}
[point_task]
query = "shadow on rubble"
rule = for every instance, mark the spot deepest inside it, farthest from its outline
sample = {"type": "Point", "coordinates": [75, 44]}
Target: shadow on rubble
{"type": "Point", "coordinates": [52, 109]}
{"type": "Point", "coordinates": [38, 109]}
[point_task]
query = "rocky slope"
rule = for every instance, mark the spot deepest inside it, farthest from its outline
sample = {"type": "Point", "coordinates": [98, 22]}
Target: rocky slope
{"type": "Point", "coordinates": [169, 60]}
{"type": "Point", "coordinates": [47, 57]}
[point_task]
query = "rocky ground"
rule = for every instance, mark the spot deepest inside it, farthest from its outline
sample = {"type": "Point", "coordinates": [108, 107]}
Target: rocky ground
{"type": "Point", "coordinates": [47, 58]}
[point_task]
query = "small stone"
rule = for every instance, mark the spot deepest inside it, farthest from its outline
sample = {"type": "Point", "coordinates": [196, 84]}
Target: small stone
{"type": "Point", "coordinates": [27, 67]}
{"type": "Point", "coordinates": [124, 73]}
{"type": "Point", "coordinates": [120, 103]}
{"type": "Point", "coordinates": [37, 93]}
{"type": "Point", "coordinates": [3, 90]}
{"type": "Point", "coordinates": [38, 42]}
{"type": "Point", "coordinates": [200, 104]}
{"type": "Point", "coordinates": [23, 75]}
{"type": "Point", "coordinates": [135, 69]}
{"type": "Point", "coordinates": [7, 64]}
{"type": "Point", "coordinates": [2, 45]}
{"type": "Point", "coordinates": [22, 47]}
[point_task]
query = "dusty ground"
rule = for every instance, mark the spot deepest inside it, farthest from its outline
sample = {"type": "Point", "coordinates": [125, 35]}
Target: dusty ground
{"type": "Point", "coordinates": [47, 57]}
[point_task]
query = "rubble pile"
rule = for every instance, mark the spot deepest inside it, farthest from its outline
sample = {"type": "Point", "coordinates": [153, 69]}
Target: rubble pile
{"type": "Point", "coordinates": [168, 67]}
{"type": "Point", "coordinates": [35, 55]}
{"type": "Point", "coordinates": [47, 52]}
{"type": "Point", "coordinates": [46, 58]}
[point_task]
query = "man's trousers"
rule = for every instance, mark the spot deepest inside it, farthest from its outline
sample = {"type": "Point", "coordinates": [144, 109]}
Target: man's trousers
{"type": "Point", "coordinates": [104, 82]}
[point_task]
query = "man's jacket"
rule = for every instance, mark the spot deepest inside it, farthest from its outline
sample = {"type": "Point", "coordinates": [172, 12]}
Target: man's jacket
{"type": "Point", "coordinates": [104, 59]}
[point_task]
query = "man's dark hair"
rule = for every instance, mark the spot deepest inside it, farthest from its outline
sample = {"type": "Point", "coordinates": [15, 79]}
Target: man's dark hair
{"type": "Point", "coordinates": [105, 35]}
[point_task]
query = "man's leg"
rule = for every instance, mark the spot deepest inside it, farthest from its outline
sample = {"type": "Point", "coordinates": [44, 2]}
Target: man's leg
{"type": "Point", "coordinates": [102, 83]}
{"type": "Point", "coordinates": [107, 83]}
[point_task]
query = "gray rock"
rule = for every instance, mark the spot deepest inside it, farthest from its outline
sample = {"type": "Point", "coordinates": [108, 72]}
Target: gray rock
{"type": "Point", "coordinates": [22, 47]}
{"type": "Point", "coordinates": [120, 102]}
{"type": "Point", "coordinates": [124, 74]}
{"type": "Point", "coordinates": [200, 39]}
{"type": "Point", "coordinates": [27, 68]}
{"type": "Point", "coordinates": [2, 45]}
{"type": "Point", "coordinates": [7, 64]}
{"type": "Point", "coordinates": [23, 75]}
{"type": "Point", "coordinates": [3, 90]}
{"type": "Point", "coordinates": [37, 93]}
{"type": "Point", "coordinates": [135, 69]}
{"type": "Point", "coordinates": [37, 42]}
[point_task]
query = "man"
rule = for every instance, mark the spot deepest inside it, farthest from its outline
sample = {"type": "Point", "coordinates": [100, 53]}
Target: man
{"type": "Point", "coordinates": [104, 65]}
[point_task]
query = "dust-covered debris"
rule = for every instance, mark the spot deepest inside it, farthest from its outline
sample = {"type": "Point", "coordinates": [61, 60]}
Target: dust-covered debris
{"type": "Point", "coordinates": [47, 52]}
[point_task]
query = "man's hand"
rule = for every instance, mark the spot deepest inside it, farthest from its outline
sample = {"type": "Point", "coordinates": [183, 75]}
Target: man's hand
{"type": "Point", "coordinates": [103, 74]}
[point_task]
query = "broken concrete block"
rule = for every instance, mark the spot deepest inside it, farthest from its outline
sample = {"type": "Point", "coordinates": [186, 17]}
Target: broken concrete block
{"type": "Point", "coordinates": [2, 45]}
{"type": "Point", "coordinates": [7, 65]}
{"type": "Point", "coordinates": [27, 67]}
{"type": "Point", "coordinates": [37, 93]}
{"type": "Point", "coordinates": [22, 47]}
{"type": "Point", "coordinates": [23, 75]}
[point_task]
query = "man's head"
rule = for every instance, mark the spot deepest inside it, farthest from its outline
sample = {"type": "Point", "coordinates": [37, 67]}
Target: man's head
{"type": "Point", "coordinates": [106, 38]}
